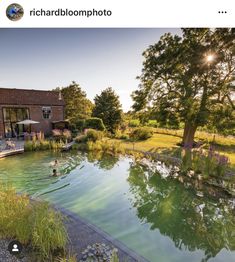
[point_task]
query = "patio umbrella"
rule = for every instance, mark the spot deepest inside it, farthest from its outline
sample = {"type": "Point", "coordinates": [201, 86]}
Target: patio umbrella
{"type": "Point", "coordinates": [27, 122]}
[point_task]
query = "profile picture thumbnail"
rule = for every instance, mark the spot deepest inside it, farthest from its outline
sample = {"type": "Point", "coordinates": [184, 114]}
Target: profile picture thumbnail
{"type": "Point", "coordinates": [15, 12]}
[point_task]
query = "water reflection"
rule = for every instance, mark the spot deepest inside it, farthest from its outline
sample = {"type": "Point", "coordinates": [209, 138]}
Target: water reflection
{"type": "Point", "coordinates": [148, 213]}
{"type": "Point", "coordinates": [190, 221]}
{"type": "Point", "coordinates": [103, 161]}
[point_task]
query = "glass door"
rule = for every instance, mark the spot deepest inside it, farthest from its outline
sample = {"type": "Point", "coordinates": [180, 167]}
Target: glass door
{"type": "Point", "coordinates": [11, 116]}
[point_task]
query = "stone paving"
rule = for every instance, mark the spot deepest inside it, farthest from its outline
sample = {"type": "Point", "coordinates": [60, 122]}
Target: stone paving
{"type": "Point", "coordinates": [82, 234]}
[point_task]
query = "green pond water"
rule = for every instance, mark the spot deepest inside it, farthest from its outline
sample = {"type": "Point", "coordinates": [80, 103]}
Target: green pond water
{"type": "Point", "coordinates": [158, 217]}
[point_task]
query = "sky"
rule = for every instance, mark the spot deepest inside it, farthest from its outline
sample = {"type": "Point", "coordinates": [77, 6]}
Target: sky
{"type": "Point", "coordinates": [95, 58]}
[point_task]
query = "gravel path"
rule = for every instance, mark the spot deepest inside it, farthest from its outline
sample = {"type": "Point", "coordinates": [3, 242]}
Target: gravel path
{"type": "Point", "coordinates": [5, 256]}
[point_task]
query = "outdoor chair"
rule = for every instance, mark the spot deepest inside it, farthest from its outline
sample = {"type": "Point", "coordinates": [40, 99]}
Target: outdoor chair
{"type": "Point", "coordinates": [10, 145]}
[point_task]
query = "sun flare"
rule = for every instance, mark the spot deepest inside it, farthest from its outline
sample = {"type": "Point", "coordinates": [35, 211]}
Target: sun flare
{"type": "Point", "coordinates": [210, 58]}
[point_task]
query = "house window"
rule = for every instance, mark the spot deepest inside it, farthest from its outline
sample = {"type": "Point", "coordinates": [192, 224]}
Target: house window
{"type": "Point", "coordinates": [46, 112]}
{"type": "Point", "coordinates": [12, 115]}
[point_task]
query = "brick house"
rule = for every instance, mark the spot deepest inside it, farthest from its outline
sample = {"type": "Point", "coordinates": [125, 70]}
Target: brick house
{"type": "Point", "coordinates": [45, 107]}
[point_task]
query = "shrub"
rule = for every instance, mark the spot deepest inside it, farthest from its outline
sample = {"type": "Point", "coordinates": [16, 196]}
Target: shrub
{"type": "Point", "coordinates": [75, 147]}
{"type": "Point", "coordinates": [80, 124]}
{"type": "Point", "coordinates": [115, 148]}
{"type": "Point", "coordinates": [105, 146]}
{"type": "Point", "coordinates": [124, 137]}
{"type": "Point", "coordinates": [120, 135]}
{"type": "Point", "coordinates": [72, 127]}
{"type": "Point", "coordinates": [90, 123]}
{"type": "Point", "coordinates": [93, 135]}
{"type": "Point", "coordinates": [134, 123]}
{"type": "Point", "coordinates": [82, 147]}
{"type": "Point", "coordinates": [81, 139]}
{"type": "Point", "coordinates": [94, 123]}
{"type": "Point", "coordinates": [117, 133]}
{"type": "Point", "coordinates": [141, 133]}
{"type": "Point", "coordinates": [152, 123]}
{"type": "Point", "coordinates": [93, 146]}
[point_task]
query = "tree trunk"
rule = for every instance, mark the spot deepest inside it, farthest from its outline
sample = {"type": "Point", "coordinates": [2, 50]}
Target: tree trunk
{"type": "Point", "coordinates": [188, 136]}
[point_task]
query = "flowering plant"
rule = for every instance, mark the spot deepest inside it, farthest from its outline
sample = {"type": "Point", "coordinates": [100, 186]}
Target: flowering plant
{"type": "Point", "coordinates": [210, 162]}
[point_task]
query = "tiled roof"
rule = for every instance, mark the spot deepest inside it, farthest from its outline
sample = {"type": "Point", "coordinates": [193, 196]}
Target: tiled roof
{"type": "Point", "coordinates": [12, 96]}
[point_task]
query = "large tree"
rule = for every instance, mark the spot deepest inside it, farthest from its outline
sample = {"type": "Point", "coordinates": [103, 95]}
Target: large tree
{"type": "Point", "coordinates": [187, 78]}
{"type": "Point", "coordinates": [108, 108]}
{"type": "Point", "coordinates": [77, 106]}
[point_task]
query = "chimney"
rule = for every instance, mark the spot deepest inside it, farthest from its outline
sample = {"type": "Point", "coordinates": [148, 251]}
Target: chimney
{"type": "Point", "coordinates": [60, 95]}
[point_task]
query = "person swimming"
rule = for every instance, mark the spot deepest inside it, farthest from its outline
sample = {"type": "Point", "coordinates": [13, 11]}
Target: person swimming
{"type": "Point", "coordinates": [54, 172]}
{"type": "Point", "coordinates": [54, 163]}
{"type": "Point", "coordinates": [55, 167]}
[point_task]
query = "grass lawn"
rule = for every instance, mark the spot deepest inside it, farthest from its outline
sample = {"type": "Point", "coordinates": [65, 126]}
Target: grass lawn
{"type": "Point", "coordinates": [158, 142]}
{"type": "Point", "coordinates": [166, 143]}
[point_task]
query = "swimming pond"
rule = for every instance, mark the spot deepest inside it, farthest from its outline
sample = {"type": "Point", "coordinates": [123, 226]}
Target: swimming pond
{"type": "Point", "coordinates": [159, 218]}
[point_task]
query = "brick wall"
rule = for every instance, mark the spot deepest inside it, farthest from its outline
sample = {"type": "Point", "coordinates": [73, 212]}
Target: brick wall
{"type": "Point", "coordinates": [45, 125]}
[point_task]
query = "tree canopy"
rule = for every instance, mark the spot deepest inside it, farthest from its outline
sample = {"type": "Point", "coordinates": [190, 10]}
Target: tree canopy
{"type": "Point", "coordinates": [108, 108]}
{"type": "Point", "coordinates": [77, 105]}
{"type": "Point", "coordinates": [189, 78]}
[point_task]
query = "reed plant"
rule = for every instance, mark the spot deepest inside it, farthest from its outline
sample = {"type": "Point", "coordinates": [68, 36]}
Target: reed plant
{"type": "Point", "coordinates": [15, 212]}
{"type": "Point", "coordinates": [32, 223]}
{"type": "Point", "coordinates": [105, 146]}
{"type": "Point", "coordinates": [43, 144]}
{"type": "Point", "coordinates": [48, 231]}
{"type": "Point", "coordinates": [54, 145]}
